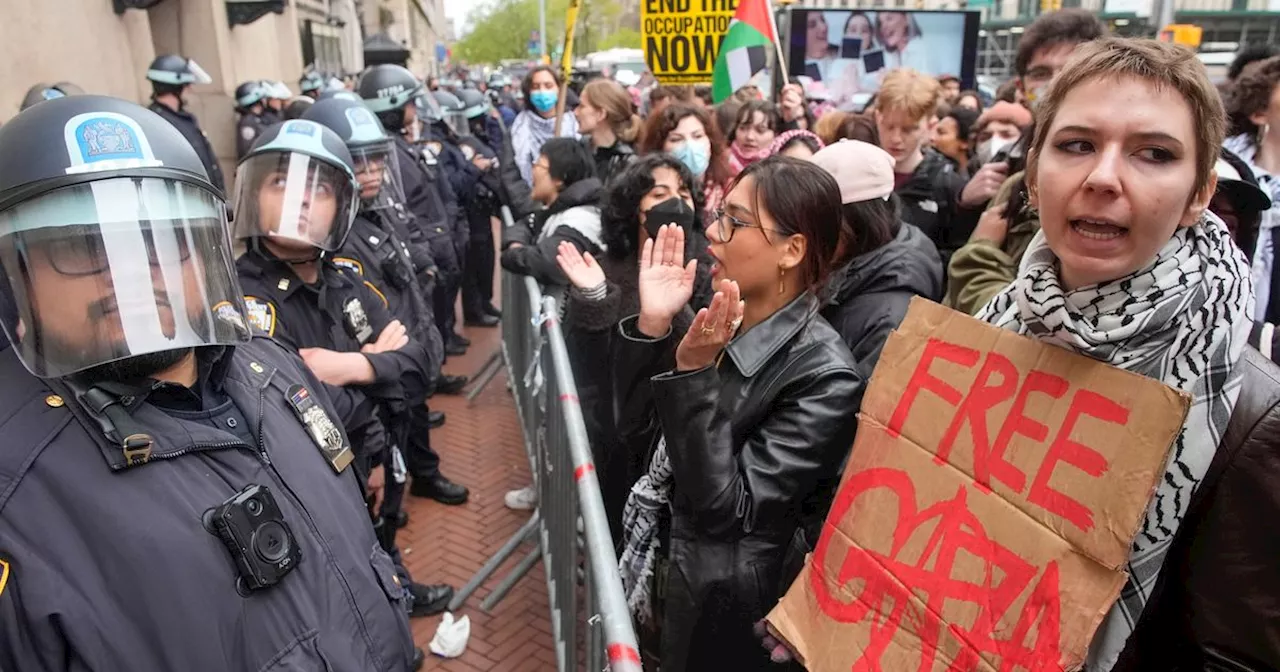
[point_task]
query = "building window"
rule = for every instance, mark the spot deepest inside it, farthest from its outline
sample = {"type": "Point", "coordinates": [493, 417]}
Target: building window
{"type": "Point", "coordinates": [322, 46]}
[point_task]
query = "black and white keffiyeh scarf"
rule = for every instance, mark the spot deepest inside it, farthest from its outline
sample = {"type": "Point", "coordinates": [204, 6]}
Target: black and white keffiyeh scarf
{"type": "Point", "coordinates": [648, 505]}
{"type": "Point", "coordinates": [1183, 320]}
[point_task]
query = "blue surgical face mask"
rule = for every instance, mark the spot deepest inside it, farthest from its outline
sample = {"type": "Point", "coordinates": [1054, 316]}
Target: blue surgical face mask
{"type": "Point", "coordinates": [696, 156]}
{"type": "Point", "coordinates": [544, 100]}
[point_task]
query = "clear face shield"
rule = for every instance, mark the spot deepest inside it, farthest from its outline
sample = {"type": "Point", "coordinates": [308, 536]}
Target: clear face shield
{"type": "Point", "coordinates": [458, 122]}
{"type": "Point", "coordinates": [198, 72]}
{"type": "Point", "coordinates": [99, 272]}
{"type": "Point", "coordinates": [297, 204]}
{"type": "Point", "coordinates": [378, 176]}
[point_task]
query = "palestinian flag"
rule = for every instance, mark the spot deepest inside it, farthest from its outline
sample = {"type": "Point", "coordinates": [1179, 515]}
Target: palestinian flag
{"type": "Point", "coordinates": [745, 48]}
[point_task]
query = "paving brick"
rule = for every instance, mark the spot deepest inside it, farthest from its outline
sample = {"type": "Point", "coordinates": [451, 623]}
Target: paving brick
{"type": "Point", "coordinates": [480, 446]}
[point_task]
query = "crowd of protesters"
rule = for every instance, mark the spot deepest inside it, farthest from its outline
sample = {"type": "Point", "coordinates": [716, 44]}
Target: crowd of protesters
{"type": "Point", "coordinates": [729, 275]}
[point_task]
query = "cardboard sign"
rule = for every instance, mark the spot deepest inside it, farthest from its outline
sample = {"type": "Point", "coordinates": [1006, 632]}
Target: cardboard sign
{"type": "Point", "coordinates": [682, 38]}
{"type": "Point", "coordinates": [988, 507]}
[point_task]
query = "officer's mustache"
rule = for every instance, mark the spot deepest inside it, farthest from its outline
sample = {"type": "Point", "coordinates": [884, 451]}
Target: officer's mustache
{"type": "Point", "coordinates": [109, 306]}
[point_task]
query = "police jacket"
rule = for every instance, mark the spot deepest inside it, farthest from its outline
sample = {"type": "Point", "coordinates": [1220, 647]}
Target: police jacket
{"type": "Point", "coordinates": [459, 172]}
{"type": "Point", "coordinates": [376, 255]}
{"type": "Point", "coordinates": [248, 128]}
{"type": "Point", "coordinates": [755, 444]}
{"type": "Point", "coordinates": [341, 313]}
{"type": "Point", "coordinates": [104, 561]}
{"type": "Point", "coordinates": [186, 123]}
{"type": "Point", "coordinates": [423, 199]}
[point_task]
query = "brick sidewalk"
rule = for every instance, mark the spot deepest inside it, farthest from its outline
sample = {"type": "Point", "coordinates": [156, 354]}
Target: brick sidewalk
{"type": "Point", "coordinates": [481, 447]}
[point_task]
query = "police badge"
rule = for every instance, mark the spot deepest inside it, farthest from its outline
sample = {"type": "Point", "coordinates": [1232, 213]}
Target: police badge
{"type": "Point", "coordinates": [323, 432]}
{"type": "Point", "coordinates": [357, 321]}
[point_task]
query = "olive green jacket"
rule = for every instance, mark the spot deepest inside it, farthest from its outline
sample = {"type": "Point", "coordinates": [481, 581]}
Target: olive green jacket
{"type": "Point", "coordinates": [980, 269]}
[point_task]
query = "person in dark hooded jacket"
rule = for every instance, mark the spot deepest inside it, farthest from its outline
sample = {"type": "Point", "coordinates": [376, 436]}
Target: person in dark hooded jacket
{"type": "Point", "coordinates": [889, 261]}
{"type": "Point", "coordinates": [564, 181]}
{"type": "Point", "coordinates": [926, 182]}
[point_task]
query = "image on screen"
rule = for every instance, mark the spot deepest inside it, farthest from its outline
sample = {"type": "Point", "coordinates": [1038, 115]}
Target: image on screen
{"type": "Point", "coordinates": [848, 52]}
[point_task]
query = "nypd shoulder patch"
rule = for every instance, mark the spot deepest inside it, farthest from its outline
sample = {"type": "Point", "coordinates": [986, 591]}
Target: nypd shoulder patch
{"type": "Point", "coordinates": [262, 315]}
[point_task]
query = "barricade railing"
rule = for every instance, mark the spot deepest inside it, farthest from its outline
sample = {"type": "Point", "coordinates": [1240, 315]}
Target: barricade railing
{"type": "Point", "coordinates": [569, 531]}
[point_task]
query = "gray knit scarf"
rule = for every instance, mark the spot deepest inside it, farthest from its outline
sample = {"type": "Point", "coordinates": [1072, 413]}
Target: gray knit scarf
{"type": "Point", "coordinates": [1183, 320]}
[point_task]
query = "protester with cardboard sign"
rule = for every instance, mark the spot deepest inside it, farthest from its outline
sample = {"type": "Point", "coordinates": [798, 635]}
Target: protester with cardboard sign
{"type": "Point", "coordinates": [1131, 270]}
{"type": "Point", "coordinates": [753, 428]}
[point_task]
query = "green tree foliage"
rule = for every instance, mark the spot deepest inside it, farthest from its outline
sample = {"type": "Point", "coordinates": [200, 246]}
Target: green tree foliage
{"type": "Point", "coordinates": [501, 29]}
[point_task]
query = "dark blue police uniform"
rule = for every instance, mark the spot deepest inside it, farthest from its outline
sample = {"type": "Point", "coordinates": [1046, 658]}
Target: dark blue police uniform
{"type": "Point", "coordinates": [186, 124]}
{"type": "Point", "coordinates": [434, 226]}
{"type": "Point", "coordinates": [105, 563]}
{"type": "Point", "coordinates": [340, 312]}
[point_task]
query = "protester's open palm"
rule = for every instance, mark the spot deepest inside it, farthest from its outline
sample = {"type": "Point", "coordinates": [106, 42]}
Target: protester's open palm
{"type": "Point", "coordinates": [666, 282]}
{"type": "Point", "coordinates": [712, 329]}
{"type": "Point", "coordinates": [581, 269]}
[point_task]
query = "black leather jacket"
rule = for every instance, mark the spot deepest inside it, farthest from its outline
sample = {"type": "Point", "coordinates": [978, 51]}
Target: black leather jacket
{"type": "Point", "coordinates": [1216, 605]}
{"type": "Point", "coordinates": [756, 443]}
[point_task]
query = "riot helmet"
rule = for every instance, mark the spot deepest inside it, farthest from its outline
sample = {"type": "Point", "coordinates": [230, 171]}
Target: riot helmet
{"type": "Point", "coordinates": [172, 73]}
{"type": "Point", "coordinates": [428, 108]}
{"type": "Point", "coordinates": [113, 241]}
{"type": "Point", "coordinates": [296, 191]}
{"type": "Point", "coordinates": [40, 93]}
{"type": "Point", "coordinates": [475, 104]}
{"type": "Point", "coordinates": [373, 151]}
{"type": "Point", "coordinates": [387, 87]}
{"type": "Point", "coordinates": [70, 89]}
{"type": "Point", "coordinates": [249, 94]}
{"type": "Point", "coordinates": [311, 83]}
{"type": "Point", "coordinates": [455, 111]}
{"type": "Point", "coordinates": [341, 94]}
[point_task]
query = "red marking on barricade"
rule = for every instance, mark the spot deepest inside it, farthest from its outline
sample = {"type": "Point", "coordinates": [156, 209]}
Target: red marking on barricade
{"type": "Point", "coordinates": [583, 471]}
{"type": "Point", "coordinates": [622, 652]}
{"type": "Point", "coordinates": [571, 398]}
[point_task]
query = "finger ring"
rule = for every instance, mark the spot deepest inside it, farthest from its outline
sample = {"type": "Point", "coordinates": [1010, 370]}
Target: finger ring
{"type": "Point", "coordinates": [733, 326]}
{"type": "Point", "coordinates": [707, 331]}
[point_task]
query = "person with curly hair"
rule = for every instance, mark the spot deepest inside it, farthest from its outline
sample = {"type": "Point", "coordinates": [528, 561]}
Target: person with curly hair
{"type": "Point", "coordinates": [1252, 106]}
{"type": "Point", "coordinates": [687, 133]}
{"type": "Point", "coordinates": [654, 190]}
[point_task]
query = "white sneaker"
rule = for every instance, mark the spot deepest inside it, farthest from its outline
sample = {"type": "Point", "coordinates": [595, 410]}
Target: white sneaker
{"type": "Point", "coordinates": [524, 499]}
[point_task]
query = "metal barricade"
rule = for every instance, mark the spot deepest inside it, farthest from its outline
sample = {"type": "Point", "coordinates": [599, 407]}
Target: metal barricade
{"type": "Point", "coordinates": [569, 530]}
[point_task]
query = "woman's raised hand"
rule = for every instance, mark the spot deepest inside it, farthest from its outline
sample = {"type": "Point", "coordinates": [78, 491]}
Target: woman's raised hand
{"type": "Point", "coordinates": [712, 329]}
{"type": "Point", "coordinates": [581, 269]}
{"type": "Point", "coordinates": [666, 282]}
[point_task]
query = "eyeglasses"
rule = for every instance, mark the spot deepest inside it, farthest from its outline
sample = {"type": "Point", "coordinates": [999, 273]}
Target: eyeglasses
{"type": "Point", "coordinates": [87, 254]}
{"type": "Point", "coordinates": [725, 224]}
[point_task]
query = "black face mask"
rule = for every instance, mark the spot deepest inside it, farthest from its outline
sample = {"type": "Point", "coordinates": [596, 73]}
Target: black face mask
{"type": "Point", "coordinates": [671, 211]}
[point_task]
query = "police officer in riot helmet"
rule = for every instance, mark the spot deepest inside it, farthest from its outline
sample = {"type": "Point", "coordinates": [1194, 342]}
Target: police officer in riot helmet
{"type": "Point", "coordinates": [393, 94]}
{"type": "Point", "coordinates": [276, 97]}
{"type": "Point", "coordinates": [480, 120]}
{"type": "Point", "coordinates": [379, 250]}
{"type": "Point", "coordinates": [171, 76]}
{"type": "Point", "coordinates": [296, 198]}
{"type": "Point", "coordinates": [250, 103]}
{"type": "Point", "coordinates": [311, 83]}
{"type": "Point", "coordinates": [480, 147]}
{"type": "Point", "coordinates": [177, 470]}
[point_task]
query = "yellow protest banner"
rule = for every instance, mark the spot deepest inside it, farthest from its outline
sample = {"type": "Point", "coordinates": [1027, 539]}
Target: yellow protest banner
{"type": "Point", "coordinates": [682, 37]}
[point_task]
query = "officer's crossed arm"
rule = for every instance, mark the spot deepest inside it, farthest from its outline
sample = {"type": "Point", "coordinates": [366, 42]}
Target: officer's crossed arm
{"type": "Point", "coordinates": [401, 372]}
